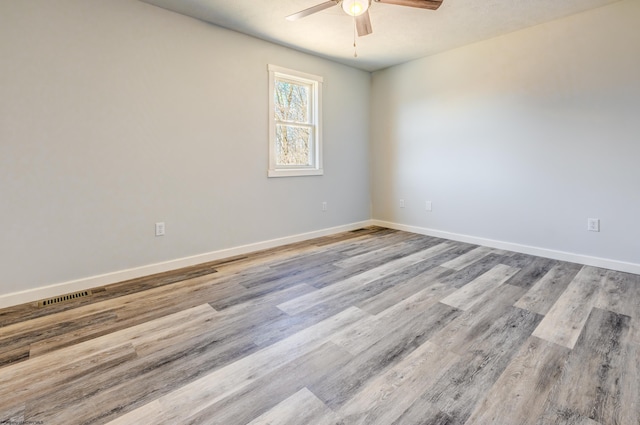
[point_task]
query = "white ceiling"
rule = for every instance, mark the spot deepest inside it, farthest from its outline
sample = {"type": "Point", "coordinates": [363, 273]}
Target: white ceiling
{"type": "Point", "coordinates": [399, 34]}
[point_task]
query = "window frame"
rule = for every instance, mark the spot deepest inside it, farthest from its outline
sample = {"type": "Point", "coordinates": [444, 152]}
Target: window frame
{"type": "Point", "coordinates": [315, 124]}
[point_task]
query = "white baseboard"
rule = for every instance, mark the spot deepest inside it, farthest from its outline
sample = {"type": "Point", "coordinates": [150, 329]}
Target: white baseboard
{"type": "Point", "coordinates": [525, 249]}
{"type": "Point", "coordinates": [36, 294]}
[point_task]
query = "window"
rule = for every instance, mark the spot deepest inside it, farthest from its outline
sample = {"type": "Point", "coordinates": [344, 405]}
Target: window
{"type": "Point", "coordinates": [295, 125]}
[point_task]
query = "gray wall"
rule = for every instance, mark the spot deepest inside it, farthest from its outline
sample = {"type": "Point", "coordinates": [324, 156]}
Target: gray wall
{"type": "Point", "coordinates": [117, 114]}
{"type": "Point", "coordinates": [520, 138]}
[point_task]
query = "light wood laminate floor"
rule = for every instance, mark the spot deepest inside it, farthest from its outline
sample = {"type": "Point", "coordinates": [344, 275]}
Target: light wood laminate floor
{"type": "Point", "coordinates": [373, 326]}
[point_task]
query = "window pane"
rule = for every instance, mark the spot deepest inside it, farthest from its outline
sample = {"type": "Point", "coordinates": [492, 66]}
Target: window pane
{"type": "Point", "coordinates": [291, 101]}
{"type": "Point", "coordinates": [293, 145]}
{"type": "Point", "coordinates": [295, 123]}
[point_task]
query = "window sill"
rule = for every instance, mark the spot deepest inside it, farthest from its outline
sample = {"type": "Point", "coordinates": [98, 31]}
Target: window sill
{"type": "Point", "coordinates": [295, 172]}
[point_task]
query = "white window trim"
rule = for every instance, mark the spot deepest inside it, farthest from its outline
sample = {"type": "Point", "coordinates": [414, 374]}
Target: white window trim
{"type": "Point", "coordinates": [316, 105]}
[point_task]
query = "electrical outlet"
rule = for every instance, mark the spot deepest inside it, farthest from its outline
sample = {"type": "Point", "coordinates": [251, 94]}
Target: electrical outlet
{"type": "Point", "coordinates": [401, 203]}
{"type": "Point", "coordinates": [324, 206]}
{"type": "Point", "coordinates": [593, 224]}
{"type": "Point", "coordinates": [160, 229]}
{"type": "Point", "coordinates": [428, 205]}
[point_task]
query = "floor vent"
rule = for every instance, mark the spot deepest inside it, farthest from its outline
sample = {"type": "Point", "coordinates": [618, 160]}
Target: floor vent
{"type": "Point", "coordinates": [63, 298]}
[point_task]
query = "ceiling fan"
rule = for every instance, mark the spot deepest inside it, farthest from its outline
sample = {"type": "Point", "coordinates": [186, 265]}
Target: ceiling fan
{"type": "Point", "coordinates": [359, 9]}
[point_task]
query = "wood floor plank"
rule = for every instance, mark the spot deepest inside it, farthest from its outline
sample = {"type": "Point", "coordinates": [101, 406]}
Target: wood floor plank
{"type": "Point", "coordinates": [359, 294]}
{"type": "Point", "coordinates": [472, 293]}
{"type": "Point", "coordinates": [464, 384]}
{"type": "Point", "coordinates": [519, 395]}
{"type": "Point", "coordinates": [620, 293]}
{"type": "Point", "coordinates": [566, 417]}
{"type": "Point", "coordinates": [299, 264]}
{"type": "Point", "coordinates": [385, 398]}
{"type": "Point", "coordinates": [277, 295]}
{"type": "Point", "coordinates": [403, 290]}
{"type": "Point", "coordinates": [457, 249]}
{"type": "Point", "coordinates": [467, 259]}
{"type": "Point", "coordinates": [342, 383]}
{"type": "Point", "coordinates": [334, 291]}
{"type": "Point", "coordinates": [160, 302]}
{"type": "Point", "coordinates": [336, 275]}
{"type": "Point", "coordinates": [14, 354]}
{"type": "Point", "coordinates": [546, 291]}
{"type": "Point", "coordinates": [19, 338]}
{"type": "Point", "coordinates": [262, 395]}
{"type": "Point", "coordinates": [264, 258]}
{"type": "Point", "coordinates": [629, 405]}
{"type": "Point", "coordinates": [16, 377]}
{"type": "Point", "coordinates": [285, 326]}
{"type": "Point", "coordinates": [531, 269]}
{"type": "Point", "coordinates": [150, 413]}
{"type": "Point", "coordinates": [12, 415]}
{"type": "Point", "coordinates": [423, 412]}
{"type": "Point", "coordinates": [564, 321]}
{"type": "Point", "coordinates": [136, 383]}
{"type": "Point", "coordinates": [332, 275]}
{"type": "Point", "coordinates": [30, 311]}
{"type": "Point", "coordinates": [460, 333]}
{"type": "Point", "coordinates": [96, 325]}
{"type": "Point", "coordinates": [267, 286]}
{"type": "Point", "coordinates": [131, 384]}
{"type": "Point", "coordinates": [50, 379]}
{"type": "Point", "coordinates": [433, 271]}
{"type": "Point", "coordinates": [69, 327]}
{"type": "Point", "coordinates": [385, 254]}
{"type": "Point", "coordinates": [211, 388]}
{"type": "Point", "coordinates": [602, 348]}
{"type": "Point", "coordinates": [461, 277]}
{"type": "Point", "coordinates": [367, 332]}
{"type": "Point", "coordinates": [355, 248]}
{"type": "Point", "coordinates": [367, 242]}
{"type": "Point", "coordinates": [301, 408]}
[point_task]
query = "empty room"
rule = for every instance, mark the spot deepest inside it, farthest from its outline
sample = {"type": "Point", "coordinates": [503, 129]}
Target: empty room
{"type": "Point", "coordinates": [320, 212]}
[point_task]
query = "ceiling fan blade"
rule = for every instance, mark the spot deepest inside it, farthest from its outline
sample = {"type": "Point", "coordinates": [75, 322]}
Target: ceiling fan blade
{"type": "Point", "coordinates": [423, 4]}
{"type": "Point", "coordinates": [363, 24]}
{"type": "Point", "coordinates": [312, 10]}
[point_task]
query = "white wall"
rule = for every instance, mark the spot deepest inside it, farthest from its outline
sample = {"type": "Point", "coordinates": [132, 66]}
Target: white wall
{"type": "Point", "coordinates": [520, 138]}
{"type": "Point", "coordinates": [117, 114]}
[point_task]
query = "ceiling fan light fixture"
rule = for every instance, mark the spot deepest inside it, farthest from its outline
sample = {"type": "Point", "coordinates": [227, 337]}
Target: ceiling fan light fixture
{"type": "Point", "coordinates": [355, 7]}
